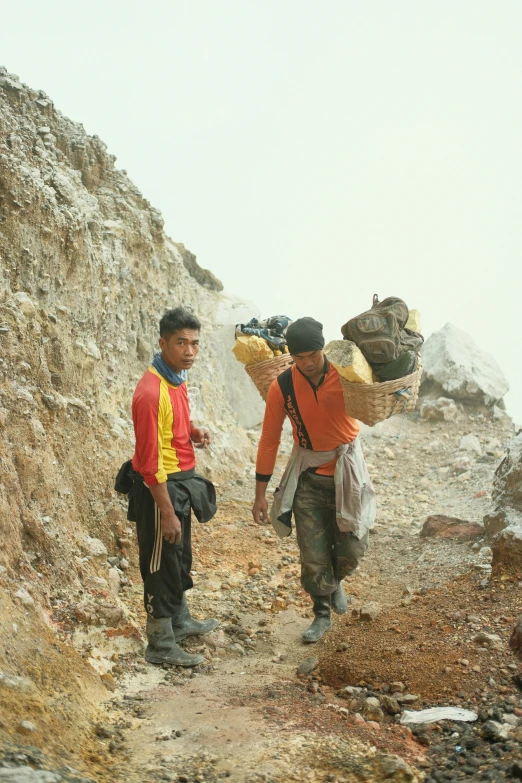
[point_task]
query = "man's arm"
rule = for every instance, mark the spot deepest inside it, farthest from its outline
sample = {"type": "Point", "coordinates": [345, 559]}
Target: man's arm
{"type": "Point", "coordinates": [267, 450]}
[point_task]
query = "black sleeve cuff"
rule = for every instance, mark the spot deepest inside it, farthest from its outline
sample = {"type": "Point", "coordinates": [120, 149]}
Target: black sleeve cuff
{"type": "Point", "coordinates": [263, 477]}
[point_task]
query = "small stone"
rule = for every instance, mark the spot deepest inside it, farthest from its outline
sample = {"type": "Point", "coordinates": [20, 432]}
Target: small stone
{"type": "Point", "coordinates": [108, 681]}
{"type": "Point", "coordinates": [407, 698]}
{"type": "Point", "coordinates": [26, 727]}
{"type": "Point", "coordinates": [25, 303]}
{"type": "Point", "coordinates": [495, 731]}
{"type": "Point", "coordinates": [470, 443]}
{"type": "Point", "coordinates": [102, 730]}
{"type": "Point", "coordinates": [24, 597]}
{"type": "Point", "coordinates": [95, 548]}
{"type": "Point", "coordinates": [390, 705]}
{"type": "Point", "coordinates": [491, 640]}
{"type": "Point", "coordinates": [371, 710]}
{"type": "Point", "coordinates": [370, 611]}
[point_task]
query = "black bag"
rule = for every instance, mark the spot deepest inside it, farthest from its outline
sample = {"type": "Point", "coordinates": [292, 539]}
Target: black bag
{"type": "Point", "coordinates": [124, 479]}
{"type": "Point", "coordinates": [381, 332]}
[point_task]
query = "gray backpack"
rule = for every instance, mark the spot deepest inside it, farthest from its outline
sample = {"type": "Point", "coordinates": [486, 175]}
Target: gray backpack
{"type": "Point", "coordinates": [381, 332]}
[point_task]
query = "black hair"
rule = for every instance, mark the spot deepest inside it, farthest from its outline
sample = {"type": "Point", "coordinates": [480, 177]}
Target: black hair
{"type": "Point", "coordinates": [176, 319]}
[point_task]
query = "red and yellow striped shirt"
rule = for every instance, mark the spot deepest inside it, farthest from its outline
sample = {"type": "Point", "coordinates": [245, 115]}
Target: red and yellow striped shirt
{"type": "Point", "coordinates": [161, 416]}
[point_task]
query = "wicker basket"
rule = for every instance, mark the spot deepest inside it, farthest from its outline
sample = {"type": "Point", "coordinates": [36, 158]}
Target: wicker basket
{"type": "Point", "coordinates": [373, 402]}
{"type": "Point", "coordinates": [263, 373]}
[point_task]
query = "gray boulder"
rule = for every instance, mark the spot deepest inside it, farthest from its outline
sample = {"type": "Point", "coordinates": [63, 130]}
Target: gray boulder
{"type": "Point", "coordinates": [503, 523]}
{"type": "Point", "coordinates": [507, 490]}
{"type": "Point", "coordinates": [456, 367]}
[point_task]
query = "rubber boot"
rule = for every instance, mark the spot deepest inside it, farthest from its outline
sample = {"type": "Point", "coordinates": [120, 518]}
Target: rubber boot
{"type": "Point", "coordinates": [322, 622]}
{"type": "Point", "coordinates": [339, 600]}
{"type": "Point", "coordinates": [162, 647]}
{"type": "Point", "coordinates": [183, 624]}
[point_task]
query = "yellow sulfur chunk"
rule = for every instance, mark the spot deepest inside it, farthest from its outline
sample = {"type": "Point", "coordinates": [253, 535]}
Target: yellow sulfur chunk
{"type": "Point", "coordinates": [414, 321]}
{"type": "Point", "coordinates": [349, 361]}
{"type": "Point", "coordinates": [250, 349]}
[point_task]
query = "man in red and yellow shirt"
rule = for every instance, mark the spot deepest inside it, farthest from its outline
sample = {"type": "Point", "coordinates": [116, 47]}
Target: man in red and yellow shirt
{"type": "Point", "coordinates": [166, 488]}
{"type": "Point", "coordinates": [332, 516]}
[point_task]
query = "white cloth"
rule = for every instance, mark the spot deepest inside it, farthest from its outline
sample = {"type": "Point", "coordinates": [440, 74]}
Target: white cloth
{"type": "Point", "coordinates": [354, 494]}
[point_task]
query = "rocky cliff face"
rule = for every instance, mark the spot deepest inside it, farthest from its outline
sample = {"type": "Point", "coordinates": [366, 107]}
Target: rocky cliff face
{"type": "Point", "coordinates": [86, 271]}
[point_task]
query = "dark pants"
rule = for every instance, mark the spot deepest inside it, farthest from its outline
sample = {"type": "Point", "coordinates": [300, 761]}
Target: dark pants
{"type": "Point", "coordinates": [327, 554]}
{"type": "Point", "coordinates": [165, 568]}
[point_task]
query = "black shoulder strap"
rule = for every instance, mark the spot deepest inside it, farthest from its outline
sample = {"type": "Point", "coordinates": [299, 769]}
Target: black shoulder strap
{"type": "Point", "coordinates": [286, 385]}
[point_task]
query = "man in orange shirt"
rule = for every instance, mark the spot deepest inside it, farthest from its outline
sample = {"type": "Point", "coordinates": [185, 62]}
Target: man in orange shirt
{"type": "Point", "coordinates": [326, 484]}
{"type": "Point", "coordinates": [166, 488]}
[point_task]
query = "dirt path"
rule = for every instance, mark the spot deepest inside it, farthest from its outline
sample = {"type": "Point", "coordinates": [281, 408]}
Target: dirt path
{"type": "Point", "coordinates": [247, 715]}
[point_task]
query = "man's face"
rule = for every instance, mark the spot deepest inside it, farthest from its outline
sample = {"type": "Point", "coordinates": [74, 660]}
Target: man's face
{"type": "Point", "coordinates": [310, 363]}
{"type": "Point", "coordinates": [180, 349]}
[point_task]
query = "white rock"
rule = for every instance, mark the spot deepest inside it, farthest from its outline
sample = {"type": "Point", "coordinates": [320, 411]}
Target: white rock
{"type": "Point", "coordinates": [24, 597]}
{"type": "Point", "coordinates": [470, 443]}
{"type": "Point", "coordinates": [25, 303]}
{"type": "Point", "coordinates": [15, 683]}
{"type": "Point", "coordinates": [114, 580]}
{"type": "Point", "coordinates": [216, 640]}
{"type": "Point", "coordinates": [442, 409]}
{"type": "Point", "coordinates": [453, 360]}
{"type": "Point", "coordinates": [95, 548]}
{"type": "Point", "coordinates": [114, 227]}
{"type": "Point", "coordinates": [26, 727]}
{"type": "Point", "coordinates": [95, 583]}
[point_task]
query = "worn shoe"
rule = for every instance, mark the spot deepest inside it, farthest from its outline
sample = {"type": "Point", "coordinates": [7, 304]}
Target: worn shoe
{"type": "Point", "coordinates": [322, 621]}
{"type": "Point", "coordinates": [162, 647]}
{"type": "Point", "coordinates": [339, 600]}
{"type": "Point", "coordinates": [183, 624]}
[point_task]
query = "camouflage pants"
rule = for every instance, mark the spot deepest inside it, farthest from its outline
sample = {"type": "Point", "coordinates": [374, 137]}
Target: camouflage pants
{"type": "Point", "coordinates": [327, 554]}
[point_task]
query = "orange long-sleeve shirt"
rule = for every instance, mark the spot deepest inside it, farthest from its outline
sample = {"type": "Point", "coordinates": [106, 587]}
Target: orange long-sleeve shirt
{"type": "Point", "coordinates": [161, 416]}
{"type": "Point", "coordinates": [317, 414]}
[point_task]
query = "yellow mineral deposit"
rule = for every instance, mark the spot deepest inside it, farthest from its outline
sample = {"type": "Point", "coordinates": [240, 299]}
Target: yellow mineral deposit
{"type": "Point", "coordinates": [414, 321]}
{"type": "Point", "coordinates": [250, 349]}
{"type": "Point", "coordinates": [349, 361]}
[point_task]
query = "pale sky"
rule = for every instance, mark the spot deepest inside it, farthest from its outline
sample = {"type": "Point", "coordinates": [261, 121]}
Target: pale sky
{"type": "Point", "coordinates": [311, 153]}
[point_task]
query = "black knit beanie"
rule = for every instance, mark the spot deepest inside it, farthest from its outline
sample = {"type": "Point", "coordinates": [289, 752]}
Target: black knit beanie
{"type": "Point", "coordinates": [305, 334]}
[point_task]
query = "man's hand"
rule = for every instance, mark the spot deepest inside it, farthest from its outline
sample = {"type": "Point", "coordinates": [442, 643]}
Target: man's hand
{"type": "Point", "coordinates": [260, 507]}
{"type": "Point", "coordinates": [260, 511]}
{"type": "Point", "coordinates": [170, 524]}
{"type": "Point", "coordinates": [201, 437]}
